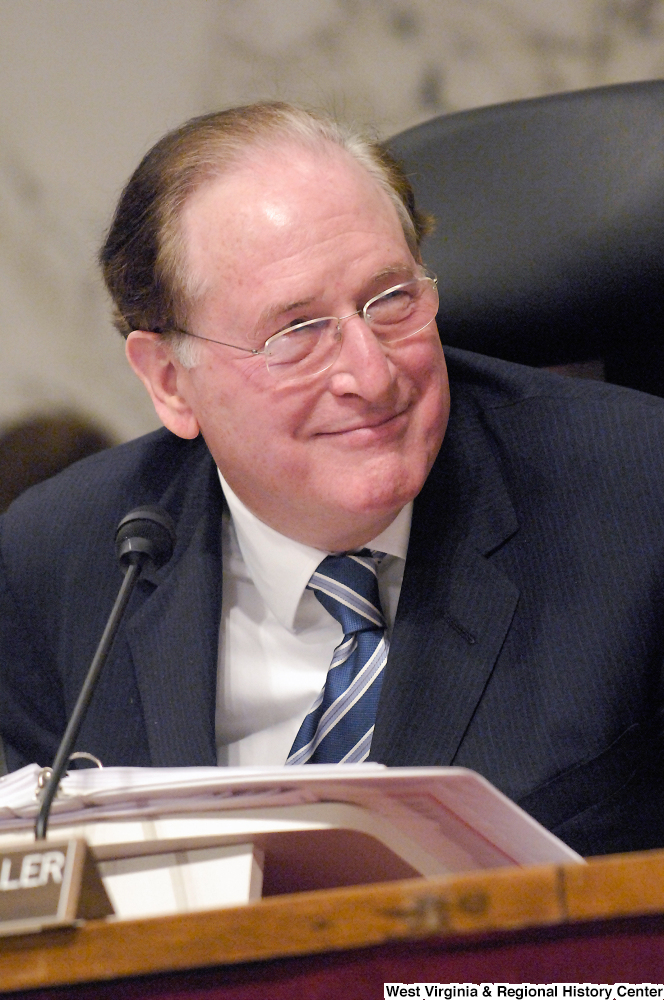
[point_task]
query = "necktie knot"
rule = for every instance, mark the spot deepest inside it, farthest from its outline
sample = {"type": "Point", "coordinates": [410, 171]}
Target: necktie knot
{"type": "Point", "coordinates": [347, 587]}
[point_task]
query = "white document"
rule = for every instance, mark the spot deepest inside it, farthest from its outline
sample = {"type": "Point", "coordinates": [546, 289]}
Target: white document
{"type": "Point", "coordinates": [435, 819]}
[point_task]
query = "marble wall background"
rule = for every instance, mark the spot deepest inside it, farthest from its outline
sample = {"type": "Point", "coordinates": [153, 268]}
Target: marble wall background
{"type": "Point", "coordinates": [87, 85]}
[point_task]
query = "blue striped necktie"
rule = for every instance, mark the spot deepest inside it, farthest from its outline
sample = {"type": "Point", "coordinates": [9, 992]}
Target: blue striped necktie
{"type": "Point", "coordinates": [340, 724]}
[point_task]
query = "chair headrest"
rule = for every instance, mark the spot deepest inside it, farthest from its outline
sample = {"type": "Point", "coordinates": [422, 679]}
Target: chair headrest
{"type": "Point", "coordinates": [549, 244]}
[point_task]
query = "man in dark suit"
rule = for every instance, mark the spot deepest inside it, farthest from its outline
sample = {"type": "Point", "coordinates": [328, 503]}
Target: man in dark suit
{"type": "Point", "coordinates": [528, 638]}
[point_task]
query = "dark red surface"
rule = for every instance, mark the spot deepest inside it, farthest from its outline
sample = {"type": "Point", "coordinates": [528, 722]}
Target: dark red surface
{"type": "Point", "coordinates": [617, 951]}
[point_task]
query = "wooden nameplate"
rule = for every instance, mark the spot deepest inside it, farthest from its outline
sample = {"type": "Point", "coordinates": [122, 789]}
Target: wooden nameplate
{"type": "Point", "coordinates": [49, 883]}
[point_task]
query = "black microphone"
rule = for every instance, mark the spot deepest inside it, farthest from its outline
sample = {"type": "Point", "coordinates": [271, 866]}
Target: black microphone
{"type": "Point", "coordinates": [145, 535]}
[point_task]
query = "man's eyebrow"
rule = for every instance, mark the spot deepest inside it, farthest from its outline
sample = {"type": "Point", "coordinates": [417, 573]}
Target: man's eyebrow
{"type": "Point", "coordinates": [394, 271]}
{"type": "Point", "coordinates": [274, 312]}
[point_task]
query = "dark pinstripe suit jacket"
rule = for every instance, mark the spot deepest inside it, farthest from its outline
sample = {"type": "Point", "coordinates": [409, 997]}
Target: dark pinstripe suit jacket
{"type": "Point", "coordinates": [529, 637]}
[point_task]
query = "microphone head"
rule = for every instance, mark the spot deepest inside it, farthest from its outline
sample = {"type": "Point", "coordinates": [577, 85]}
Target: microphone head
{"type": "Point", "coordinates": [146, 534]}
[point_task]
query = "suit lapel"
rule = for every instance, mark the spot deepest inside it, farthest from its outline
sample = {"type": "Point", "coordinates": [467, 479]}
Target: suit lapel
{"type": "Point", "coordinates": [173, 636]}
{"type": "Point", "coordinates": [455, 607]}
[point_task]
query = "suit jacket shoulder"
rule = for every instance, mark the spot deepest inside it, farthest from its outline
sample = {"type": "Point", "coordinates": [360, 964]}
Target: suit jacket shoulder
{"type": "Point", "coordinates": [58, 581]}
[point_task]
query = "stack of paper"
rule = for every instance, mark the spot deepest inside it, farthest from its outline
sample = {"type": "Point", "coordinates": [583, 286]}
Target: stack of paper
{"type": "Point", "coordinates": [314, 826]}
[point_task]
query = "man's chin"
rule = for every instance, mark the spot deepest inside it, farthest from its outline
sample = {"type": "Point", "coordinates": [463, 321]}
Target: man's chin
{"type": "Point", "coordinates": [385, 483]}
{"type": "Point", "coordinates": [364, 504]}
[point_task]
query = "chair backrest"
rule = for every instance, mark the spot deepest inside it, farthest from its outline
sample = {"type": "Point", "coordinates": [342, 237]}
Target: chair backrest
{"type": "Point", "coordinates": [549, 243]}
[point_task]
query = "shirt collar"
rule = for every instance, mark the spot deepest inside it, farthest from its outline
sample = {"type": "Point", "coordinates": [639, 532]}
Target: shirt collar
{"type": "Point", "coordinates": [266, 552]}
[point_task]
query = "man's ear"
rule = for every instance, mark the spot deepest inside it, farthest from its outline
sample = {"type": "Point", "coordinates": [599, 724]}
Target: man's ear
{"type": "Point", "coordinates": [151, 357]}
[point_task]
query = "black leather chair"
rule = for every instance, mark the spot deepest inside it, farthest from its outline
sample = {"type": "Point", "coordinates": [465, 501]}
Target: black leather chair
{"type": "Point", "coordinates": [549, 244]}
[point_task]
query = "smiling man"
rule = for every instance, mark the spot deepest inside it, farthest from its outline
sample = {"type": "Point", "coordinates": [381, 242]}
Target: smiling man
{"type": "Point", "coordinates": [327, 458]}
{"type": "Point", "coordinates": [364, 568]}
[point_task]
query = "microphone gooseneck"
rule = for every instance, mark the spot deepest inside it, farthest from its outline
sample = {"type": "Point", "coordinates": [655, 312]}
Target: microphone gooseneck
{"type": "Point", "coordinates": [145, 535]}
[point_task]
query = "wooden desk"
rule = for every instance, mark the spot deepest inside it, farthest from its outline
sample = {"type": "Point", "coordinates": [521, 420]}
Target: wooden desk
{"type": "Point", "coordinates": [603, 922]}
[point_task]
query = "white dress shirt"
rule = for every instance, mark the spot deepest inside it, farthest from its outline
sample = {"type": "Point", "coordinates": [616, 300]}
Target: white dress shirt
{"type": "Point", "coordinates": [275, 638]}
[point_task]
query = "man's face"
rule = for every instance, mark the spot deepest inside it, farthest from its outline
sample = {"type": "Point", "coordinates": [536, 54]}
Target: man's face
{"type": "Point", "coordinates": [289, 236]}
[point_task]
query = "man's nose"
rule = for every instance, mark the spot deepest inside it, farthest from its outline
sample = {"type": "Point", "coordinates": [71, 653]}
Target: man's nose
{"type": "Point", "coordinates": [362, 367]}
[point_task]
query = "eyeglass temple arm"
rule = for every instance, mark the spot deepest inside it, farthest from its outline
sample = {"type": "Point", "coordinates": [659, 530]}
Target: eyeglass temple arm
{"type": "Point", "coordinates": [197, 336]}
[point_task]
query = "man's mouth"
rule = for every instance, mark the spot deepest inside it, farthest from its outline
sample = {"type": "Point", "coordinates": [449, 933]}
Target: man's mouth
{"type": "Point", "coordinates": [371, 427]}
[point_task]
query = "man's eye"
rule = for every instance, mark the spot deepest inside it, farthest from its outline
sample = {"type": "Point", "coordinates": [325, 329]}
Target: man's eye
{"type": "Point", "coordinates": [289, 325]}
{"type": "Point", "coordinates": [309, 325]}
{"type": "Point", "coordinates": [300, 321]}
{"type": "Point", "coordinates": [397, 301]}
{"type": "Point", "coordinates": [396, 295]}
